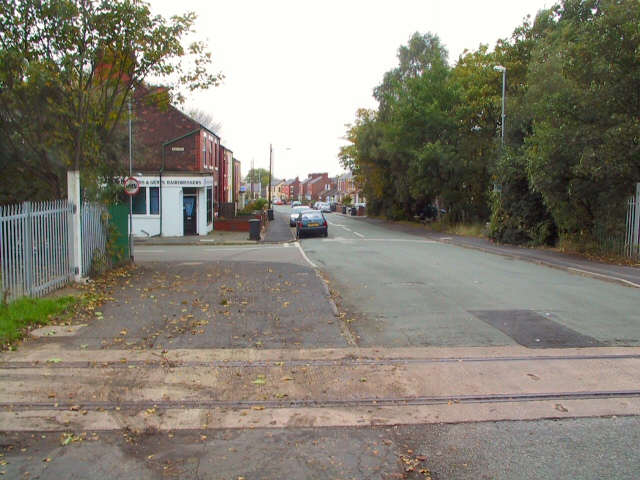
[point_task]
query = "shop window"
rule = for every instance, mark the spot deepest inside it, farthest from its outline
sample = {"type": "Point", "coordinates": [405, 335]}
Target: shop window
{"type": "Point", "coordinates": [154, 200]}
{"type": "Point", "coordinates": [139, 202]}
{"type": "Point", "coordinates": [209, 205]}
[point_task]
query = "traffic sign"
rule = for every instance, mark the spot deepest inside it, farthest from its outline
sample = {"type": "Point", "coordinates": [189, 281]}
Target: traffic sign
{"type": "Point", "coordinates": [131, 186]}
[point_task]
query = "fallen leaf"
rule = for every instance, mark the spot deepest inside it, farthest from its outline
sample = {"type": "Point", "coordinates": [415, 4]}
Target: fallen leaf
{"type": "Point", "coordinates": [54, 360]}
{"type": "Point", "coordinates": [257, 407]}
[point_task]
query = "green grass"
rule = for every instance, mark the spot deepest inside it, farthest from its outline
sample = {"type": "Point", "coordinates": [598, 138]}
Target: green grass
{"type": "Point", "coordinates": [467, 230]}
{"type": "Point", "coordinates": [16, 317]}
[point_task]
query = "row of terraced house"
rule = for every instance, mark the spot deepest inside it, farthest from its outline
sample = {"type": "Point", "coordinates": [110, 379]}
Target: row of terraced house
{"type": "Point", "coordinates": [316, 187]}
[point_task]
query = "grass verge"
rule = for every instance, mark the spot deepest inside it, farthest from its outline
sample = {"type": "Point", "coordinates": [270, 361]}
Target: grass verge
{"type": "Point", "coordinates": [18, 317]}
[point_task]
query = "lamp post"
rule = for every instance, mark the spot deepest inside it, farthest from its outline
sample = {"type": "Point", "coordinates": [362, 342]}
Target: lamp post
{"type": "Point", "coordinates": [271, 155]}
{"type": "Point", "coordinates": [270, 169]}
{"type": "Point", "coordinates": [500, 68]}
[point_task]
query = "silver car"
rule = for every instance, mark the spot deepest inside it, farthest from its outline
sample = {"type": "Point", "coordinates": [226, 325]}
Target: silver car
{"type": "Point", "coordinates": [295, 212]}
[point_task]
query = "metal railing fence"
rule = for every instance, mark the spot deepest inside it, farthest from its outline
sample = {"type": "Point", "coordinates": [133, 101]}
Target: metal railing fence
{"type": "Point", "coordinates": [613, 240]}
{"type": "Point", "coordinates": [34, 248]}
{"type": "Point", "coordinates": [95, 233]}
{"type": "Point", "coordinates": [632, 235]}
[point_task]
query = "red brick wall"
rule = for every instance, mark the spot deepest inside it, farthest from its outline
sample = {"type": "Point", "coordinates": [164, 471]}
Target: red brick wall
{"type": "Point", "coordinates": [156, 123]}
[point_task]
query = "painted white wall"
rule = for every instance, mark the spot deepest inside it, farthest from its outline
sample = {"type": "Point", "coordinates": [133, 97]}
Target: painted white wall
{"type": "Point", "coordinates": [172, 207]}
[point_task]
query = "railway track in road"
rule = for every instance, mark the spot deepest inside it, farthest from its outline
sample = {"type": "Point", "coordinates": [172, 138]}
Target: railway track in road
{"type": "Point", "coordinates": [314, 362]}
{"type": "Point", "coordinates": [361, 402]}
{"type": "Point", "coordinates": [344, 390]}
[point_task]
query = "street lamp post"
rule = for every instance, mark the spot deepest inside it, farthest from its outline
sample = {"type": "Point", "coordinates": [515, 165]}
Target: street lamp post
{"type": "Point", "coordinates": [500, 68]}
{"type": "Point", "coordinates": [270, 169]}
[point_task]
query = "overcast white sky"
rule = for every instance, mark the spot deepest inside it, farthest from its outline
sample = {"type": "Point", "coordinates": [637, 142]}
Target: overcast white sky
{"type": "Point", "coordinates": [297, 70]}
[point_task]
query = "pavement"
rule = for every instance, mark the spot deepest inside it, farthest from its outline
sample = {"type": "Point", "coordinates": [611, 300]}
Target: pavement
{"type": "Point", "coordinates": [278, 231]}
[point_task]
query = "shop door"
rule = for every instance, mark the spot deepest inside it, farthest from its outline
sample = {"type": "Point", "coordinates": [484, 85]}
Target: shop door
{"type": "Point", "coordinates": [190, 215]}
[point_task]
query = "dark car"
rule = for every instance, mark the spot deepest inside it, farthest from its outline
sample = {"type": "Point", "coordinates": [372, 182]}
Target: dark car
{"type": "Point", "coordinates": [312, 222]}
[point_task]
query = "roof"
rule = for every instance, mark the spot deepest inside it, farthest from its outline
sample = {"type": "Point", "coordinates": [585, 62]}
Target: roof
{"type": "Point", "coordinates": [346, 176]}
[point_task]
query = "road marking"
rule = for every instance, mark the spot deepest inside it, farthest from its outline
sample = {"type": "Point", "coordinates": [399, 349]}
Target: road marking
{"type": "Point", "coordinates": [138, 250]}
{"type": "Point", "coordinates": [286, 245]}
{"type": "Point", "coordinates": [244, 249]}
{"type": "Point", "coordinates": [304, 255]}
{"type": "Point", "coordinates": [395, 240]}
{"type": "Point", "coordinates": [346, 228]}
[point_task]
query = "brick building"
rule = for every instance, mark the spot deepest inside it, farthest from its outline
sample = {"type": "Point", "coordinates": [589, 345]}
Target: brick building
{"type": "Point", "coordinates": [315, 184]}
{"type": "Point", "coordinates": [183, 170]}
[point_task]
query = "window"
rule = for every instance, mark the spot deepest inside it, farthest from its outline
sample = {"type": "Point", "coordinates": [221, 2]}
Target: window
{"type": "Point", "coordinates": [154, 200]}
{"type": "Point", "coordinates": [139, 202]}
{"type": "Point", "coordinates": [209, 205]}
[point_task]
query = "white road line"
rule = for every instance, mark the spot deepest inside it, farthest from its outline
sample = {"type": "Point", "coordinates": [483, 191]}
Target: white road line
{"type": "Point", "coordinates": [346, 229]}
{"type": "Point", "coordinates": [286, 245]}
{"type": "Point", "coordinates": [356, 233]}
{"type": "Point", "coordinates": [243, 249]}
{"type": "Point", "coordinates": [304, 255]}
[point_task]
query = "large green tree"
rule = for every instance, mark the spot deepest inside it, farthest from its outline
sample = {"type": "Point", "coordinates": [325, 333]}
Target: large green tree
{"type": "Point", "coordinates": [584, 155]}
{"type": "Point", "coordinates": [67, 69]}
{"type": "Point", "coordinates": [258, 175]}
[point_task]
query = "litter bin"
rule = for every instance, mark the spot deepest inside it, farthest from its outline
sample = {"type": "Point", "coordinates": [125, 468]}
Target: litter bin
{"type": "Point", "coordinates": [270, 214]}
{"type": "Point", "coordinates": [332, 208]}
{"type": "Point", "coordinates": [354, 211]}
{"type": "Point", "coordinates": [254, 229]}
{"type": "Point", "coordinates": [344, 209]}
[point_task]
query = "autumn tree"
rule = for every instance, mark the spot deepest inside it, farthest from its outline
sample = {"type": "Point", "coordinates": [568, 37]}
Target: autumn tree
{"type": "Point", "coordinates": [67, 71]}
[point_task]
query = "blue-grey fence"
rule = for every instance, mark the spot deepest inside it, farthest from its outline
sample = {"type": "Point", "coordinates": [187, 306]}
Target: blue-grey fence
{"type": "Point", "coordinates": [35, 246]}
{"type": "Point", "coordinates": [95, 225]}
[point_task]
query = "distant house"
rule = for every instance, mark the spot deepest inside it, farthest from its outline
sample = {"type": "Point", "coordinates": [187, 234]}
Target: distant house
{"type": "Point", "coordinates": [182, 169]}
{"type": "Point", "coordinates": [291, 190]}
{"type": "Point", "coordinates": [315, 184]}
{"type": "Point", "coordinates": [346, 185]}
{"type": "Point", "coordinates": [276, 189]}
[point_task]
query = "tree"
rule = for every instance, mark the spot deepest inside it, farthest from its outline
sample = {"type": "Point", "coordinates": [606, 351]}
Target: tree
{"type": "Point", "coordinates": [256, 175]}
{"type": "Point", "coordinates": [205, 119]}
{"type": "Point", "coordinates": [583, 155]}
{"type": "Point", "coordinates": [67, 70]}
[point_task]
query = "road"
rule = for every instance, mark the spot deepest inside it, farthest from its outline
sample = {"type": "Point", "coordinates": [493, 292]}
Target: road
{"type": "Point", "coordinates": [370, 354]}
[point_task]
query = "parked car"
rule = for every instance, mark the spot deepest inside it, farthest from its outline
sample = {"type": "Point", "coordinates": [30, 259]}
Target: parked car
{"type": "Point", "coordinates": [296, 203]}
{"type": "Point", "coordinates": [295, 213]}
{"type": "Point", "coordinates": [316, 206]}
{"type": "Point", "coordinates": [325, 207]}
{"type": "Point", "coordinates": [311, 222]}
{"type": "Point", "coordinates": [277, 201]}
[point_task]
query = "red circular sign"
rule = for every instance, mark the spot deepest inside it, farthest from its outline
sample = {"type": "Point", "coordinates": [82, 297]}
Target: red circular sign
{"type": "Point", "coordinates": [131, 186]}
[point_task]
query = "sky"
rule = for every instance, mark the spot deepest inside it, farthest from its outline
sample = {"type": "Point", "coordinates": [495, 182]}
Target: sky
{"type": "Point", "coordinates": [296, 71]}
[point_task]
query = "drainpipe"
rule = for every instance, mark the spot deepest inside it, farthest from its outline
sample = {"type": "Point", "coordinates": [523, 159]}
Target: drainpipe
{"type": "Point", "coordinates": [162, 169]}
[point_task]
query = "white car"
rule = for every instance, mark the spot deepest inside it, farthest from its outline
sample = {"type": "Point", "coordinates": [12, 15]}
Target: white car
{"type": "Point", "coordinates": [325, 207]}
{"type": "Point", "coordinates": [295, 212]}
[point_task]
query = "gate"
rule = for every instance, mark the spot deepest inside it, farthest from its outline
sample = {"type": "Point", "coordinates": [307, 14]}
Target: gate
{"type": "Point", "coordinates": [632, 237]}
